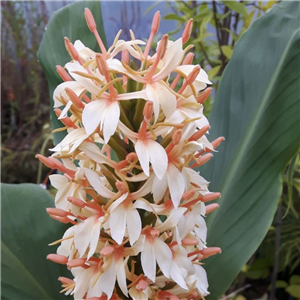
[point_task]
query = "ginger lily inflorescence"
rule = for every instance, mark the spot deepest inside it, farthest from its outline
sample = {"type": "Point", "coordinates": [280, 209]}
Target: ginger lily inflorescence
{"type": "Point", "coordinates": [135, 129]}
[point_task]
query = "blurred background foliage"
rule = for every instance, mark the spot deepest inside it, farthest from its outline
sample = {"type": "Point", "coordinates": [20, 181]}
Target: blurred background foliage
{"type": "Point", "coordinates": [25, 110]}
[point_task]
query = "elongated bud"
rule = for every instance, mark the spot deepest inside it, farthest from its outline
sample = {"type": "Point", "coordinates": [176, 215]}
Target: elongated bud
{"type": "Point", "coordinates": [71, 49]}
{"type": "Point", "coordinates": [211, 207]}
{"type": "Point", "coordinates": [74, 98]}
{"type": "Point", "coordinates": [121, 187]}
{"type": "Point", "coordinates": [66, 121]}
{"type": "Point", "coordinates": [189, 242]}
{"type": "Point", "coordinates": [203, 159]}
{"type": "Point", "coordinates": [204, 95]}
{"type": "Point", "coordinates": [190, 78]}
{"type": "Point", "coordinates": [46, 161]}
{"type": "Point", "coordinates": [155, 22]}
{"type": "Point", "coordinates": [148, 110]}
{"type": "Point", "coordinates": [60, 259]}
{"type": "Point", "coordinates": [100, 64]}
{"type": "Point", "coordinates": [90, 20]}
{"type": "Point", "coordinates": [162, 47]}
{"type": "Point", "coordinates": [176, 136]}
{"type": "Point", "coordinates": [108, 250]}
{"type": "Point", "coordinates": [78, 262]}
{"type": "Point", "coordinates": [63, 73]}
{"type": "Point", "coordinates": [217, 142]}
{"type": "Point", "coordinates": [207, 252]}
{"type": "Point", "coordinates": [188, 59]}
{"type": "Point", "coordinates": [187, 31]}
{"type": "Point", "coordinates": [131, 157]}
{"type": "Point", "coordinates": [65, 280]}
{"type": "Point", "coordinates": [125, 57]}
{"type": "Point", "coordinates": [77, 202]}
{"type": "Point", "coordinates": [210, 197]}
{"type": "Point", "coordinates": [57, 212]}
{"type": "Point", "coordinates": [189, 194]}
{"type": "Point", "coordinates": [197, 135]}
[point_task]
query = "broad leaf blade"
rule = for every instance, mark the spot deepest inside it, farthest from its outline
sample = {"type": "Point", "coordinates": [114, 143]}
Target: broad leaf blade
{"type": "Point", "coordinates": [67, 22]}
{"type": "Point", "coordinates": [257, 110]}
{"type": "Point", "coordinates": [26, 232]}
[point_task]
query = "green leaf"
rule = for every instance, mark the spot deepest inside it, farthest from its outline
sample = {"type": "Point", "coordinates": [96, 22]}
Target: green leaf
{"type": "Point", "coordinates": [293, 290]}
{"type": "Point", "coordinates": [281, 284]}
{"type": "Point", "coordinates": [257, 110]}
{"type": "Point", "coordinates": [67, 22]}
{"type": "Point", "coordinates": [227, 50]}
{"type": "Point", "coordinates": [295, 279]}
{"type": "Point", "coordinates": [26, 232]}
{"type": "Point", "coordinates": [259, 269]}
{"type": "Point", "coordinates": [213, 72]}
{"type": "Point", "coordinates": [174, 17]}
{"type": "Point", "coordinates": [236, 6]}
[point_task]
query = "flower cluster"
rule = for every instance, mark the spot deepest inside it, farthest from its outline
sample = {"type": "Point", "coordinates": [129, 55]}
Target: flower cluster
{"type": "Point", "coordinates": [135, 129]}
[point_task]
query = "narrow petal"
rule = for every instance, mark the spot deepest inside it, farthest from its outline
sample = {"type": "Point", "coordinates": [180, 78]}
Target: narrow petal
{"type": "Point", "coordinates": [111, 118]}
{"type": "Point", "coordinates": [142, 153]}
{"type": "Point", "coordinates": [158, 158]}
{"type": "Point", "coordinates": [87, 83]}
{"type": "Point", "coordinates": [92, 115]}
{"type": "Point", "coordinates": [148, 261]}
{"type": "Point", "coordinates": [121, 276]}
{"type": "Point", "coordinates": [117, 224]}
{"type": "Point", "coordinates": [175, 183]}
{"type": "Point", "coordinates": [96, 183]}
{"type": "Point", "coordinates": [159, 188]}
{"type": "Point", "coordinates": [163, 256]}
{"type": "Point", "coordinates": [134, 225]}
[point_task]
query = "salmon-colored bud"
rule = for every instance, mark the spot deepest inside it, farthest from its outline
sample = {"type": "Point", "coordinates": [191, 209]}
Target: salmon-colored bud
{"type": "Point", "coordinates": [203, 159]}
{"type": "Point", "coordinates": [189, 242]}
{"type": "Point", "coordinates": [207, 252]}
{"type": "Point", "coordinates": [90, 20]}
{"type": "Point", "coordinates": [71, 49]}
{"type": "Point", "coordinates": [131, 157]}
{"type": "Point", "coordinates": [155, 22]}
{"type": "Point", "coordinates": [192, 76]}
{"type": "Point", "coordinates": [63, 220]}
{"type": "Point", "coordinates": [197, 135]}
{"type": "Point", "coordinates": [74, 98]}
{"type": "Point", "coordinates": [60, 259]}
{"type": "Point", "coordinates": [108, 250]}
{"type": "Point", "coordinates": [57, 212]}
{"type": "Point", "coordinates": [211, 207]}
{"type": "Point", "coordinates": [78, 262]}
{"type": "Point", "coordinates": [142, 285]}
{"type": "Point", "coordinates": [121, 187]}
{"type": "Point", "coordinates": [65, 280]}
{"type": "Point", "coordinates": [210, 197]}
{"type": "Point", "coordinates": [176, 136]}
{"type": "Point", "coordinates": [188, 59]}
{"type": "Point", "coordinates": [204, 95]}
{"type": "Point", "coordinates": [187, 31]}
{"type": "Point", "coordinates": [125, 57]}
{"type": "Point", "coordinates": [66, 121]}
{"type": "Point", "coordinates": [148, 110]}
{"type": "Point", "coordinates": [100, 64]}
{"type": "Point", "coordinates": [77, 202]}
{"type": "Point", "coordinates": [63, 73]}
{"type": "Point", "coordinates": [46, 161]}
{"type": "Point", "coordinates": [217, 141]}
{"type": "Point", "coordinates": [188, 195]}
{"type": "Point", "coordinates": [162, 47]}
